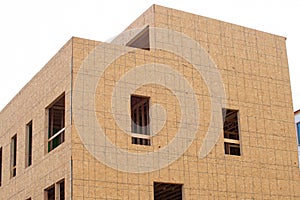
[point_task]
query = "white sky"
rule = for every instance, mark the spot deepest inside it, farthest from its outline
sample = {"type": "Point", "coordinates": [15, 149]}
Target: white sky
{"type": "Point", "coordinates": [32, 31]}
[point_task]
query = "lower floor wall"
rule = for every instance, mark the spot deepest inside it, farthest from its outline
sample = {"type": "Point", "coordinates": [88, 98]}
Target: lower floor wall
{"type": "Point", "coordinates": [45, 180]}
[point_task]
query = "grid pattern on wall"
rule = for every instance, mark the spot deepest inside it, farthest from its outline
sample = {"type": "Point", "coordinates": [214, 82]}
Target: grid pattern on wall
{"type": "Point", "coordinates": [253, 66]}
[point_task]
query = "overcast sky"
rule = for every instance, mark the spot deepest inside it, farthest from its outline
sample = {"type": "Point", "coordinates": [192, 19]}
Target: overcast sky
{"type": "Point", "coordinates": [32, 31]}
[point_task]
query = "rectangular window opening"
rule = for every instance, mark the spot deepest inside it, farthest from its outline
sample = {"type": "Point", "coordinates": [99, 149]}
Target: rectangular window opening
{"type": "Point", "coordinates": [141, 141]}
{"type": "Point", "coordinates": [231, 132]}
{"type": "Point", "coordinates": [56, 191]}
{"type": "Point", "coordinates": [141, 40]}
{"type": "Point", "coordinates": [0, 166]}
{"type": "Point", "coordinates": [28, 143]}
{"type": "Point", "coordinates": [56, 123]}
{"type": "Point", "coordinates": [13, 158]}
{"type": "Point", "coordinates": [62, 190]}
{"type": "Point", "coordinates": [298, 132]}
{"type": "Point", "coordinates": [140, 115]}
{"type": "Point", "coordinates": [50, 193]}
{"type": "Point", "coordinates": [140, 119]}
{"type": "Point", "coordinates": [167, 191]}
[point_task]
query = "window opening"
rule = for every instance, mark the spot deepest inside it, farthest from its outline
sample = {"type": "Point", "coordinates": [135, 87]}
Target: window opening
{"type": "Point", "coordinates": [56, 124]}
{"type": "Point", "coordinates": [231, 132]}
{"type": "Point", "coordinates": [62, 190]}
{"type": "Point", "coordinates": [140, 115]}
{"type": "Point", "coordinates": [167, 191]}
{"type": "Point", "coordinates": [298, 132]}
{"type": "Point", "coordinates": [141, 141]}
{"type": "Point", "coordinates": [0, 166]}
{"type": "Point", "coordinates": [141, 40]}
{"type": "Point", "coordinates": [13, 150]}
{"type": "Point", "coordinates": [140, 120]}
{"type": "Point", "coordinates": [28, 150]}
{"type": "Point", "coordinates": [50, 193]}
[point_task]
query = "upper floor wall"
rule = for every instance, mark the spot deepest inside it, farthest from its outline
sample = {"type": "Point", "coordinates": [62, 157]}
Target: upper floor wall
{"type": "Point", "coordinates": [244, 56]}
{"type": "Point", "coordinates": [26, 128]}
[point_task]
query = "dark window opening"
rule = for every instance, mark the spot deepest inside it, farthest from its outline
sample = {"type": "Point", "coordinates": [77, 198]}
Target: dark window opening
{"type": "Point", "coordinates": [50, 193]}
{"type": "Point", "coordinates": [298, 133]}
{"type": "Point", "coordinates": [141, 141]}
{"type": "Point", "coordinates": [13, 151]}
{"type": "Point", "coordinates": [232, 149]}
{"type": "Point", "coordinates": [0, 166]}
{"type": "Point", "coordinates": [167, 191]}
{"type": "Point", "coordinates": [56, 124]}
{"type": "Point", "coordinates": [62, 190]}
{"type": "Point", "coordinates": [231, 132]}
{"type": "Point", "coordinates": [141, 40]}
{"type": "Point", "coordinates": [140, 119]}
{"type": "Point", "coordinates": [140, 115]}
{"type": "Point", "coordinates": [56, 190]}
{"type": "Point", "coordinates": [28, 150]}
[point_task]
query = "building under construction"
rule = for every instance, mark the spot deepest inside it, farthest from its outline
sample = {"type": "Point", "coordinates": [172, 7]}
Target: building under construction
{"type": "Point", "coordinates": [178, 106]}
